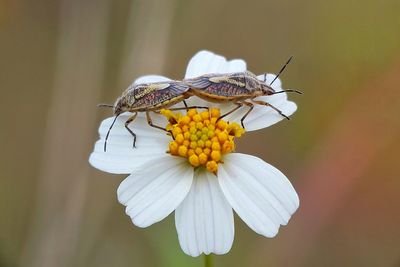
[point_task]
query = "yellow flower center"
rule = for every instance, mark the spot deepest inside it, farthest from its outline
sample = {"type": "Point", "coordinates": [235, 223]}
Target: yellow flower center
{"type": "Point", "coordinates": [201, 137]}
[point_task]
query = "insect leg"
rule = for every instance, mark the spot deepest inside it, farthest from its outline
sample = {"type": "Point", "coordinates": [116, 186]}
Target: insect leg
{"type": "Point", "coordinates": [238, 105]}
{"type": "Point", "coordinates": [271, 106]}
{"type": "Point", "coordinates": [251, 105]}
{"type": "Point", "coordinates": [150, 122]}
{"type": "Point", "coordinates": [187, 107]}
{"type": "Point", "coordinates": [131, 118]}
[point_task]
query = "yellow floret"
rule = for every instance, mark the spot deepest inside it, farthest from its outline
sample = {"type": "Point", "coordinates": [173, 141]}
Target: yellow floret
{"type": "Point", "coordinates": [228, 147]}
{"type": "Point", "coordinates": [193, 137]}
{"type": "Point", "coordinates": [193, 144]}
{"type": "Point", "coordinates": [194, 160]}
{"type": "Point", "coordinates": [184, 120]}
{"type": "Point", "coordinates": [208, 143]}
{"type": "Point", "coordinates": [200, 138]}
{"type": "Point", "coordinates": [200, 143]}
{"type": "Point", "coordinates": [221, 124]}
{"type": "Point", "coordinates": [182, 151]}
{"type": "Point", "coordinates": [179, 138]}
{"type": "Point", "coordinates": [203, 158]}
{"type": "Point", "coordinates": [176, 131]}
{"type": "Point", "coordinates": [216, 155]}
{"type": "Point", "coordinates": [191, 112]}
{"type": "Point", "coordinates": [192, 129]}
{"type": "Point", "coordinates": [215, 113]}
{"type": "Point", "coordinates": [196, 118]}
{"type": "Point", "coordinates": [173, 147]}
{"type": "Point", "coordinates": [215, 145]}
{"type": "Point", "coordinates": [186, 135]}
{"type": "Point", "coordinates": [198, 150]}
{"type": "Point", "coordinates": [212, 166]}
{"type": "Point", "coordinates": [222, 137]}
{"type": "Point", "coordinates": [190, 152]}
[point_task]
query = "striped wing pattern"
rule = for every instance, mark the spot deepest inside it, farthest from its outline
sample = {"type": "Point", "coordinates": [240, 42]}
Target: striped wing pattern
{"type": "Point", "coordinates": [157, 93]}
{"type": "Point", "coordinates": [233, 84]}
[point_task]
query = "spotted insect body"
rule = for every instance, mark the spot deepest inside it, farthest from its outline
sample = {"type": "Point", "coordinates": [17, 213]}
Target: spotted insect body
{"type": "Point", "coordinates": [149, 97]}
{"type": "Point", "coordinates": [240, 88]}
{"type": "Point", "coordinates": [228, 87]}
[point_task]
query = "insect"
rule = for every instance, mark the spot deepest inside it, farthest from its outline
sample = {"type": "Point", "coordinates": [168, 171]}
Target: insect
{"type": "Point", "coordinates": [240, 88]}
{"type": "Point", "coordinates": [147, 97]}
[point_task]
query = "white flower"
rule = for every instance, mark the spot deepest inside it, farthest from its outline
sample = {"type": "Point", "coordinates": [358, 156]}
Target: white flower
{"type": "Point", "coordinates": [203, 202]}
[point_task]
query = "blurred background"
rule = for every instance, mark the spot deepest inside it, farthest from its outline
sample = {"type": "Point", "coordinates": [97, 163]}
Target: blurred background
{"type": "Point", "coordinates": [340, 150]}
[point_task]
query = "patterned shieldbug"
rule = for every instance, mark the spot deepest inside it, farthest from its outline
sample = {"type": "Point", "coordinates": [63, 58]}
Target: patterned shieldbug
{"type": "Point", "coordinates": [240, 88]}
{"type": "Point", "coordinates": [147, 97]}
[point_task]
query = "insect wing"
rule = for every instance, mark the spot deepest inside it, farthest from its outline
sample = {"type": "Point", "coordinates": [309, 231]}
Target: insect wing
{"type": "Point", "coordinates": [160, 93]}
{"type": "Point", "coordinates": [201, 82]}
{"type": "Point", "coordinates": [175, 88]}
{"type": "Point", "coordinates": [233, 84]}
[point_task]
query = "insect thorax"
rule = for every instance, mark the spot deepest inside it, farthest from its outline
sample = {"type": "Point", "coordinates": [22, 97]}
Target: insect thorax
{"type": "Point", "coordinates": [253, 84]}
{"type": "Point", "coordinates": [246, 80]}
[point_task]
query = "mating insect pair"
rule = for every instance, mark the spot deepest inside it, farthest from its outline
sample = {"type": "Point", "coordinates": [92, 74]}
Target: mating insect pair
{"type": "Point", "coordinates": [240, 88]}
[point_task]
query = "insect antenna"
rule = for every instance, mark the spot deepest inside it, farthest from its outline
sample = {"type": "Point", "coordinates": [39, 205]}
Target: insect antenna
{"type": "Point", "coordinates": [105, 106]}
{"type": "Point", "coordinates": [282, 69]}
{"type": "Point", "coordinates": [108, 132]}
{"type": "Point", "coordinates": [288, 91]}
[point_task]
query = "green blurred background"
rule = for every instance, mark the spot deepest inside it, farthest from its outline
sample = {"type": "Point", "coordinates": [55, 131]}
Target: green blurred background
{"type": "Point", "coordinates": [340, 150]}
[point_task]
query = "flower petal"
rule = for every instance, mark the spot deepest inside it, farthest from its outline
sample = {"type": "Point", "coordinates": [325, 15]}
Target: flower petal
{"type": "Point", "coordinates": [151, 79]}
{"type": "Point", "coordinates": [151, 194]}
{"type": "Point", "coordinates": [204, 220]}
{"type": "Point", "coordinates": [120, 156]}
{"type": "Point", "coordinates": [259, 193]}
{"type": "Point", "coordinates": [205, 62]}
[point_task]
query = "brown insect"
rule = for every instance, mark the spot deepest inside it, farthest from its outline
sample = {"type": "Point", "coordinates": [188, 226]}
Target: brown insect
{"type": "Point", "coordinates": [240, 88]}
{"type": "Point", "coordinates": [148, 97]}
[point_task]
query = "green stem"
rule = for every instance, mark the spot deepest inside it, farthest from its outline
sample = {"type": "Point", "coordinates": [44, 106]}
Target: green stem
{"type": "Point", "coordinates": [208, 261]}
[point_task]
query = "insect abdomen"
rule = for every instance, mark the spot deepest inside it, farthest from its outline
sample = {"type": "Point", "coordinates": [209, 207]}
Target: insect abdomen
{"type": "Point", "coordinates": [225, 89]}
{"type": "Point", "coordinates": [155, 99]}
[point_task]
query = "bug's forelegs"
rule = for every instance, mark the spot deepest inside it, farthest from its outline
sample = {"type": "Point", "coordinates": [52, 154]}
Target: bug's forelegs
{"type": "Point", "coordinates": [129, 120]}
{"type": "Point", "coordinates": [251, 105]}
{"type": "Point", "coordinates": [259, 102]}
{"type": "Point", "coordinates": [187, 107]}
{"type": "Point", "coordinates": [150, 122]}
